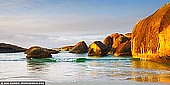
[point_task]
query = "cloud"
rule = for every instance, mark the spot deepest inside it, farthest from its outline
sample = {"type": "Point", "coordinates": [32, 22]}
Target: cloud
{"type": "Point", "coordinates": [48, 22]}
{"type": "Point", "coordinates": [65, 25]}
{"type": "Point", "coordinates": [51, 41]}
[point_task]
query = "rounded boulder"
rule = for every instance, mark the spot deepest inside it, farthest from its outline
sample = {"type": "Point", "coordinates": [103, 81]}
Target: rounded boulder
{"type": "Point", "coordinates": [79, 48]}
{"type": "Point", "coordinates": [97, 48]}
{"type": "Point", "coordinates": [37, 52]}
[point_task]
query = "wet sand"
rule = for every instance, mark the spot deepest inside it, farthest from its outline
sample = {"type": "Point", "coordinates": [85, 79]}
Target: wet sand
{"type": "Point", "coordinates": [106, 83]}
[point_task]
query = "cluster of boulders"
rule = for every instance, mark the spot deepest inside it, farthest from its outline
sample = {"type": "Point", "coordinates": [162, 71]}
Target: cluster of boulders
{"type": "Point", "coordinates": [39, 52]}
{"type": "Point", "coordinates": [116, 44]}
{"type": "Point", "coordinates": [119, 44]}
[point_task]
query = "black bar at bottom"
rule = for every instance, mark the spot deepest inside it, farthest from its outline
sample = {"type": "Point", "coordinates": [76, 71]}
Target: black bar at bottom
{"type": "Point", "coordinates": [22, 82]}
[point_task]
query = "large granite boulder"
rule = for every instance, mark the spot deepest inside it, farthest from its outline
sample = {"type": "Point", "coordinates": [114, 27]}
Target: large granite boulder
{"type": "Point", "coordinates": [116, 42]}
{"type": "Point", "coordinates": [8, 48]}
{"type": "Point", "coordinates": [79, 48]}
{"type": "Point", "coordinates": [151, 36]}
{"type": "Point", "coordinates": [38, 52]}
{"type": "Point", "coordinates": [97, 48]}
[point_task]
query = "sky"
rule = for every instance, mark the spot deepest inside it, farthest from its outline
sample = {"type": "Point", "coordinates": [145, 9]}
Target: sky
{"type": "Point", "coordinates": [53, 23]}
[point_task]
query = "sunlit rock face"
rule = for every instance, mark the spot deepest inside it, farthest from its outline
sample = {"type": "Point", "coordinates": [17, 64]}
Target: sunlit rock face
{"type": "Point", "coordinates": [151, 36]}
{"type": "Point", "coordinates": [119, 44]}
{"type": "Point", "coordinates": [128, 35]}
{"type": "Point", "coordinates": [97, 48]}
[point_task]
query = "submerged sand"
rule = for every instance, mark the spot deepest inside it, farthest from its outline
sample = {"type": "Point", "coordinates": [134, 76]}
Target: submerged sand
{"type": "Point", "coordinates": [105, 83]}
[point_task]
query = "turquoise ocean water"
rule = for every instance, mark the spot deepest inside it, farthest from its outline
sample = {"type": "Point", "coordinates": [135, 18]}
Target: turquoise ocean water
{"type": "Point", "coordinates": [68, 67]}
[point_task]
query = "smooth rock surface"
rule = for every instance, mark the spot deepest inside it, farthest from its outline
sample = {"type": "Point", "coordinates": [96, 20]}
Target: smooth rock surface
{"type": "Point", "coordinates": [79, 48]}
{"type": "Point", "coordinates": [151, 36]}
{"type": "Point", "coordinates": [38, 52]}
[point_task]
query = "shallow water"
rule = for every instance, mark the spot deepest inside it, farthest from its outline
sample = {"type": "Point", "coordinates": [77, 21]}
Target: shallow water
{"type": "Point", "coordinates": [68, 67]}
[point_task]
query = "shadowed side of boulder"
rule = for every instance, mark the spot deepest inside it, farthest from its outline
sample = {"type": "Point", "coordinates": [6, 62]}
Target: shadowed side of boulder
{"type": "Point", "coordinates": [108, 41]}
{"type": "Point", "coordinates": [123, 49]}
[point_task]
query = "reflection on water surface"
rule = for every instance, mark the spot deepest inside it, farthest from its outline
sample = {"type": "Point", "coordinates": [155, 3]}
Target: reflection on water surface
{"type": "Point", "coordinates": [66, 69]}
